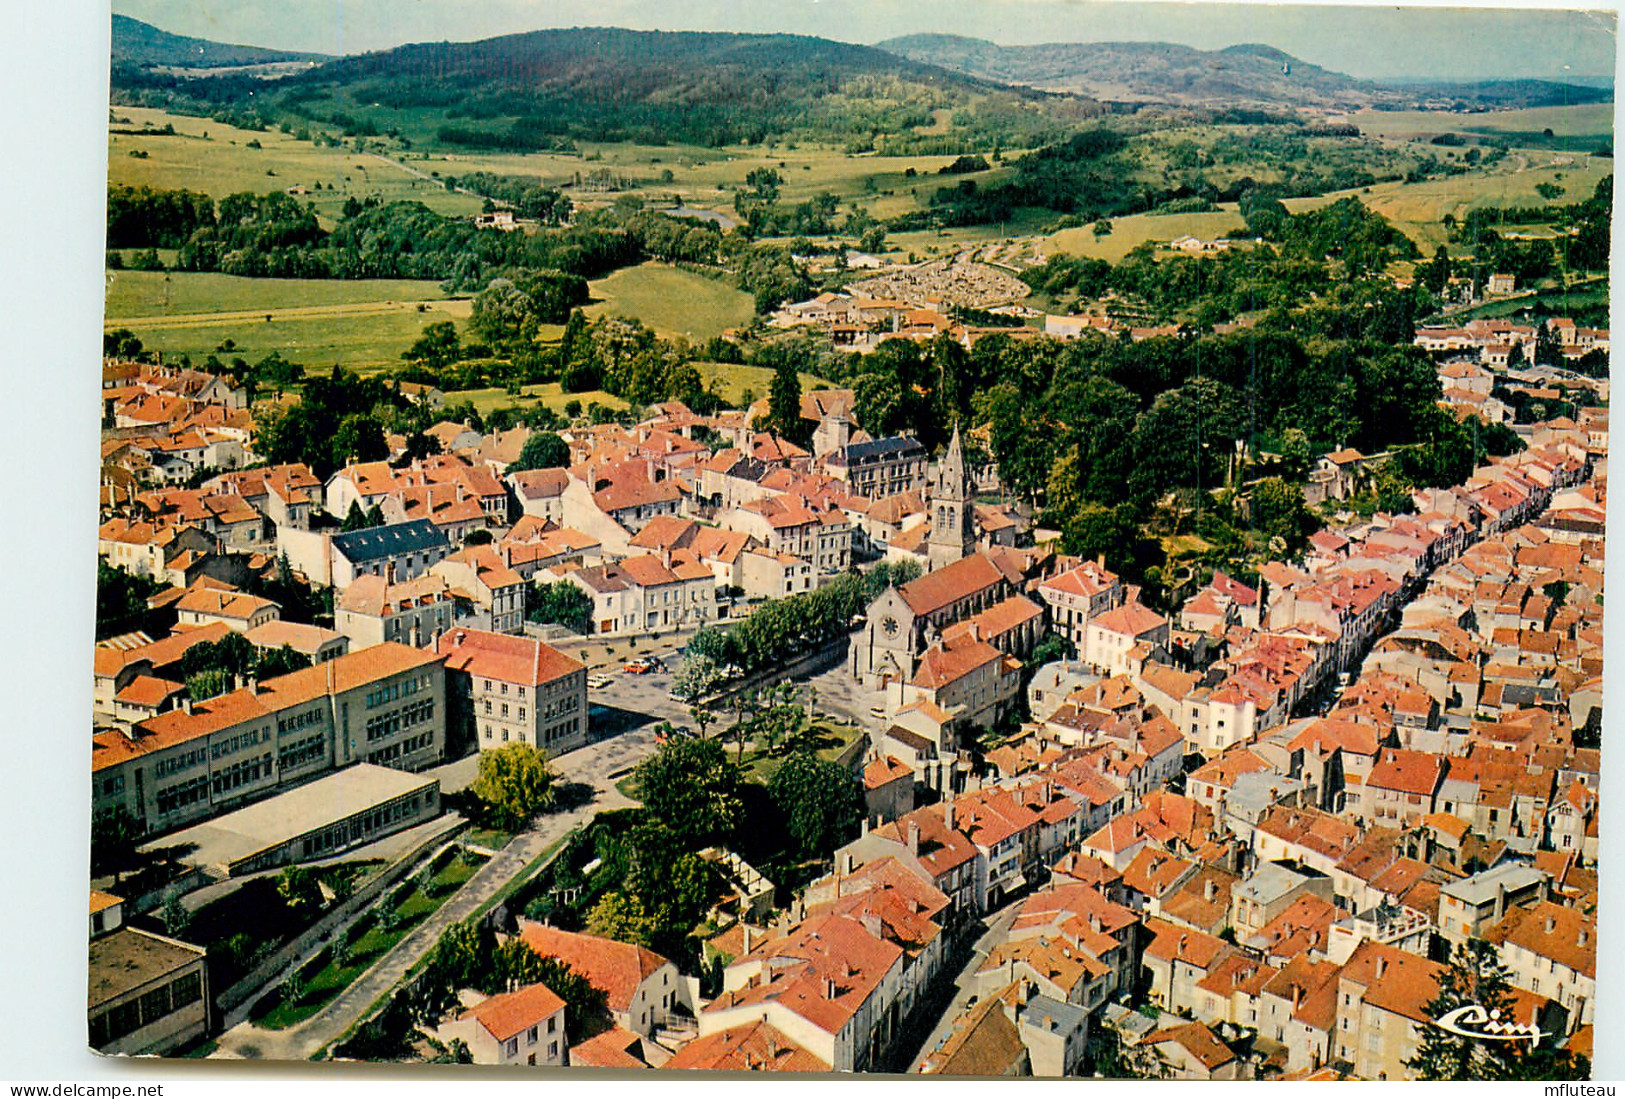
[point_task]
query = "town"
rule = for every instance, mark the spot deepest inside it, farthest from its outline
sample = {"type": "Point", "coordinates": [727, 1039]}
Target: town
{"type": "Point", "coordinates": [986, 657]}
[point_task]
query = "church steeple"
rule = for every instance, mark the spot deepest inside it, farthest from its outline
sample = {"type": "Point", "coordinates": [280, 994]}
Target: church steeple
{"type": "Point", "coordinates": [953, 531]}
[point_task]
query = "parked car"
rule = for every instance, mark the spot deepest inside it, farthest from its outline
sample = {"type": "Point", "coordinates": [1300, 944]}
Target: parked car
{"type": "Point", "coordinates": [637, 667]}
{"type": "Point", "coordinates": [599, 682]}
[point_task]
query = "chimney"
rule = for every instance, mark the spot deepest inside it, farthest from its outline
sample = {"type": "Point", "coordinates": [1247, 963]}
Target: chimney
{"type": "Point", "coordinates": [863, 828]}
{"type": "Point", "coordinates": [745, 930]}
{"type": "Point", "coordinates": [186, 703]}
{"type": "Point", "coordinates": [1184, 940]}
{"type": "Point", "coordinates": [1585, 936]}
{"type": "Point", "coordinates": [253, 684]}
{"type": "Point", "coordinates": [1551, 924]}
{"type": "Point", "coordinates": [829, 988]}
{"type": "Point", "coordinates": [948, 813]}
{"type": "Point", "coordinates": [389, 574]}
{"type": "Point", "coordinates": [1382, 967]}
{"type": "Point", "coordinates": [848, 863]}
{"type": "Point", "coordinates": [1210, 888]}
{"type": "Point", "coordinates": [913, 838]}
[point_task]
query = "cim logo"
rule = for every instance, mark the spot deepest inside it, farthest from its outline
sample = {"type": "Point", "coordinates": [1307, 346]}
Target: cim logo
{"type": "Point", "coordinates": [1472, 1021]}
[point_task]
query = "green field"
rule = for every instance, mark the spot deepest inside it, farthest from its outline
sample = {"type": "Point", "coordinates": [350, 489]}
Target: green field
{"type": "Point", "coordinates": [1589, 120]}
{"type": "Point", "coordinates": [702, 177]}
{"type": "Point", "coordinates": [365, 338]}
{"type": "Point", "coordinates": [212, 157]}
{"type": "Point", "coordinates": [730, 380]}
{"type": "Point", "coordinates": [549, 395]}
{"type": "Point", "coordinates": [671, 301]}
{"type": "Point", "coordinates": [132, 295]}
{"type": "Point", "coordinates": [1416, 208]}
{"type": "Point", "coordinates": [1130, 232]}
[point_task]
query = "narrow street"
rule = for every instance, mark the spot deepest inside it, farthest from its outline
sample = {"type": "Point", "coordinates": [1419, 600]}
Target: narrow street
{"type": "Point", "coordinates": [998, 925]}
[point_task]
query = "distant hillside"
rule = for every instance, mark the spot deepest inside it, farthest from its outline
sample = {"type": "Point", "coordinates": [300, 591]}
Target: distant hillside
{"type": "Point", "coordinates": [1246, 75]}
{"type": "Point", "coordinates": [538, 89]}
{"type": "Point", "coordinates": [142, 44]}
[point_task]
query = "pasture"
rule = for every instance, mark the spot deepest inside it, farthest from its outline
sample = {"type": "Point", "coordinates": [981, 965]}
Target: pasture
{"type": "Point", "coordinates": [1589, 121]}
{"type": "Point", "coordinates": [218, 160]}
{"type": "Point", "coordinates": [672, 301]}
{"type": "Point", "coordinates": [549, 395]}
{"type": "Point", "coordinates": [136, 294]}
{"type": "Point", "coordinates": [731, 381]}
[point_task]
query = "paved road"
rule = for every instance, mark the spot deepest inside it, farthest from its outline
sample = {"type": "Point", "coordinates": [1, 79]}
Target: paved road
{"type": "Point", "coordinates": [998, 925]}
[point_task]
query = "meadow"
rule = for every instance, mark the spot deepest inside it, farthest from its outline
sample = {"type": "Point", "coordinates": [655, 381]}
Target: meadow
{"type": "Point", "coordinates": [217, 159]}
{"type": "Point", "coordinates": [671, 301]}
{"type": "Point", "coordinates": [549, 395]}
{"type": "Point", "coordinates": [1588, 122]}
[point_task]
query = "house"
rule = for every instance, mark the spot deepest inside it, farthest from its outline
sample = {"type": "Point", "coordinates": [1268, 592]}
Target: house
{"type": "Point", "coordinates": [1403, 785]}
{"type": "Point", "coordinates": [311, 642]}
{"type": "Point", "coordinates": [395, 551]}
{"type": "Point", "coordinates": [504, 689]}
{"type": "Point", "coordinates": [1383, 995]}
{"type": "Point", "coordinates": [238, 610]}
{"type": "Point", "coordinates": [1116, 642]}
{"type": "Point", "coordinates": [1076, 596]}
{"type": "Point", "coordinates": [1176, 960]}
{"type": "Point", "coordinates": [753, 1047]}
{"type": "Point", "coordinates": [540, 492]}
{"type": "Point", "coordinates": [1468, 906]}
{"type": "Point", "coordinates": [522, 1027]}
{"type": "Point", "coordinates": [479, 578]}
{"type": "Point", "coordinates": [1551, 950]}
{"type": "Point", "coordinates": [829, 983]}
{"type": "Point", "coordinates": [983, 1041]}
{"type": "Point", "coordinates": [415, 612]}
{"type": "Point", "coordinates": [969, 679]}
{"type": "Point", "coordinates": [878, 468]}
{"type": "Point", "coordinates": [1194, 1052]}
{"type": "Point", "coordinates": [647, 593]}
{"type": "Point", "coordinates": [643, 988]}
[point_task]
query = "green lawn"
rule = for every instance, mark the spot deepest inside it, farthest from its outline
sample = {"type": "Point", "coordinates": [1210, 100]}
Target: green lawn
{"type": "Point", "coordinates": [671, 301]}
{"type": "Point", "coordinates": [489, 838]}
{"type": "Point", "coordinates": [831, 739]}
{"type": "Point", "coordinates": [335, 976]}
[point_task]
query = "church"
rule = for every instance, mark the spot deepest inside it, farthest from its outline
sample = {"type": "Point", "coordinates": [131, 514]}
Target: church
{"type": "Point", "coordinates": [904, 621]}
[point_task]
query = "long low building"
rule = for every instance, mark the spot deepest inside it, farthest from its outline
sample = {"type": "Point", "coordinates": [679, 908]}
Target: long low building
{"type": "Point", "coordinates": [357, 805]}
{"type": "Point", "coordinates": [384, 705]}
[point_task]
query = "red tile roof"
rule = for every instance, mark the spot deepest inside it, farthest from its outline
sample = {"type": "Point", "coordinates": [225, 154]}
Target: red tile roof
{"type": "Point", "coordinates": [507, 1014]}
{"type": "Point", "coordinates": [505, 657]}
{"type": "Point", "coordinates": [615, 967]}
{"type": "Point", "coordinates": [754, 1047]}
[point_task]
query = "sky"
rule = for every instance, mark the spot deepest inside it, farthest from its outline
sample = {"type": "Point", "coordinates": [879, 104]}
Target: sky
{"type": "Point", "coordinates": [1370, 41]}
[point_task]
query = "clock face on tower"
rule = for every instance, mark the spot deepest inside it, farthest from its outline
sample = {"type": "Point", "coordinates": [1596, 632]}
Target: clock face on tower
{"type": "Point", "coordinates": [888, 626]}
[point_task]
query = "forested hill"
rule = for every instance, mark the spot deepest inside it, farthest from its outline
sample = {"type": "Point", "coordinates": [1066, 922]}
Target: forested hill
{"type": "Point", "coordinates": [1251, 75]}
{"type": "Point", "coordinates": [542, 88]}
{"type": "Point", "coordinates": [141, 44]}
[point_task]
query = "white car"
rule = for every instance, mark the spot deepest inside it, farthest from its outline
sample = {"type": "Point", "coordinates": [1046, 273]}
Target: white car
{"type": "Point", "coordinates": [599, 682]}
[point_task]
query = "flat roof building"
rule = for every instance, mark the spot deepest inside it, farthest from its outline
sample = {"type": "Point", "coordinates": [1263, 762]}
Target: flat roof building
{"type": "Point", "coordinates": [357, 805]}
